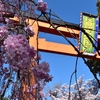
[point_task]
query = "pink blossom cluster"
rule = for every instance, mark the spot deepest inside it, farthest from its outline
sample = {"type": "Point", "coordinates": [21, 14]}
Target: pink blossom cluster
{"type": "Point", "coordinates": [82, 90]}
{"type": "Point", "coordinates": [4, 6]}
{"type": "Point", "coordinates": [24, 5]}
{"type": "Point", "coordinates": [3, 32]}
{"type": "Point", "coordinates": [18, 52]}
{"type": "Point", "coordinates": [29, 30]}
{"type": "Point", "coordinates": [41, 72]}
{"type": "Point", "coordinates": [1, 6]}
{"type": "Point", "coordinates": [13, 6]}
{"type": "Point", "coordinates": [42, 6]}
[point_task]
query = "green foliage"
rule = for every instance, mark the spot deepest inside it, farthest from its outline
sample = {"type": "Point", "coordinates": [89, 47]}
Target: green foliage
{"type": "Point", "coordinates": [95, 66]}
{"type": "Point", "coordinates": [98, 7]}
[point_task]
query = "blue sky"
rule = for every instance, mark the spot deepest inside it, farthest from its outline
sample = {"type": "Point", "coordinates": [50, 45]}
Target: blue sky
{"type": "Point", "coordinates": [62, 66]}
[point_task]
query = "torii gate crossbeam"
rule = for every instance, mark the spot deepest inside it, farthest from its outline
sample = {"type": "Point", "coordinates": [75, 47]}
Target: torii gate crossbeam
{"type": "Point", "coordinates": [71, 31]}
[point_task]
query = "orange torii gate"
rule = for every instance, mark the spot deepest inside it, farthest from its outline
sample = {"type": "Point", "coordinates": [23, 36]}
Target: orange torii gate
{"type": "Point", "coordinates": [41, 44]}
{"type": "Point", "coordinates": [52, 47]}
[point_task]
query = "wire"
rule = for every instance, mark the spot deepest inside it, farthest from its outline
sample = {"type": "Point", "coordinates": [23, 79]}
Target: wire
{"type": "Point", "coordinates": [76, 78]}
{"type": "Point", "coordinates": [75, 72]}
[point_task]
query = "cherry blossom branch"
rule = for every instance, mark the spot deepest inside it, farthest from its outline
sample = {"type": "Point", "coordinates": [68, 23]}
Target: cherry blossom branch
{"type": "Point", "coordinates": [73, 47]}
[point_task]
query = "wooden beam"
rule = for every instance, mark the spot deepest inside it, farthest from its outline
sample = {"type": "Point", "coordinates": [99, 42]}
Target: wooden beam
{"type": "Point", "coordinates": [66, 31]}
{"type": "Point", "coordinates": [44, 26]}
{"type": "Point", "coordinates": [58, 48]}
{"type": "Point", "coordinates": [33, 42]}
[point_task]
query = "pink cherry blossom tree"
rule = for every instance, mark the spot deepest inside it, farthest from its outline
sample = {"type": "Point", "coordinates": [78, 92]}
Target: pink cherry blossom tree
{"type": "Point", "coordinates": [17, 56]}
{"type": "Point", "coordinates": [81, 90]}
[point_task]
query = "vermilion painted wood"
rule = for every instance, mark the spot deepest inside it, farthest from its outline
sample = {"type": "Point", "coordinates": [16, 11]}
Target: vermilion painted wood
{"type": "Point", "coordinates": [52, 47]}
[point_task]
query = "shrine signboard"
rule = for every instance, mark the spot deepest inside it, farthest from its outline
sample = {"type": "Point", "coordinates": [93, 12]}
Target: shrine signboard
{"type": "Point", "coordinates": [90, 24]}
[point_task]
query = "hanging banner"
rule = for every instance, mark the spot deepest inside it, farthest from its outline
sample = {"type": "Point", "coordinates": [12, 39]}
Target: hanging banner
{"type": "Point", "coordinates": [90, 24]}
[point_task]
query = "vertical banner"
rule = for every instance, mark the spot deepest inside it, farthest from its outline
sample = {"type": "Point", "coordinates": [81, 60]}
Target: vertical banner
{"type": "Point", "coordinates": [90, 24]}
